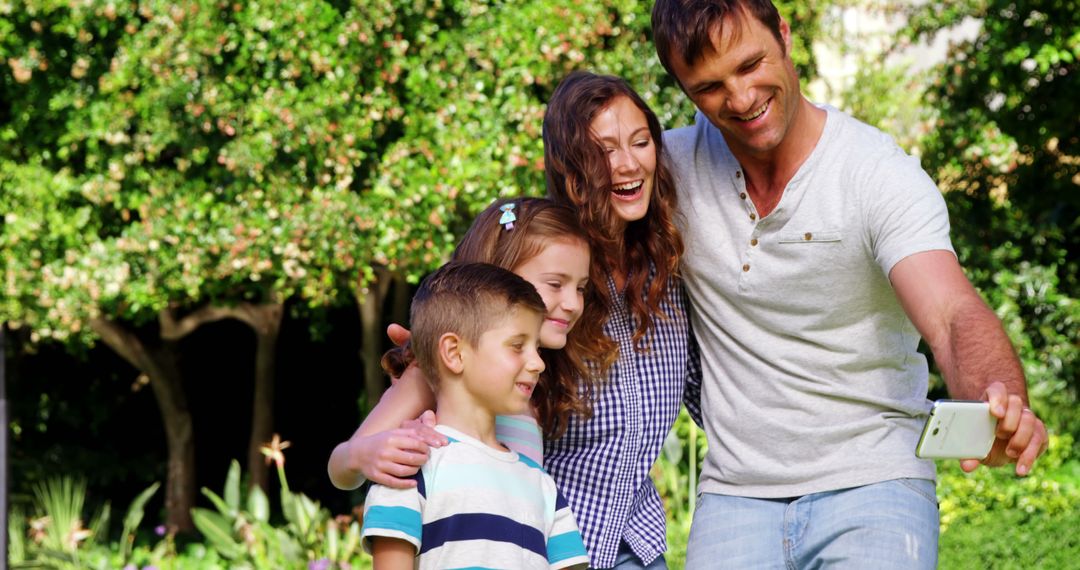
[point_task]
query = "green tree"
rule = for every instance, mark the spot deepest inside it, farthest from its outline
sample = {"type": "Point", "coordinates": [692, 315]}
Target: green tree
{"type": "Point", "coordinates": [1005, 147]}
{"type": "Point", "coordinates": [167, 165]}
{"type": "Point", "coordinates": [164, 165]}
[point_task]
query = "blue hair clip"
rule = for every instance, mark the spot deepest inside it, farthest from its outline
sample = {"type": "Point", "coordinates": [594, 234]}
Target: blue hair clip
{"type": "Point", "coordinates": [508, 218]}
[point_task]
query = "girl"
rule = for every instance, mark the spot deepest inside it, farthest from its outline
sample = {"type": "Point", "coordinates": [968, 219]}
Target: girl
{"type": "Point", "coordinates": [544, 244]}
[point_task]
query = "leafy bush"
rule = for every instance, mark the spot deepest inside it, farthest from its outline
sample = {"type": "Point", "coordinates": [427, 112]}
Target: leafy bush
{"type": "Point", "coordinates": [992, 519]}
{"type": "Point", "coordinates": [675, 474]}
{"type": "Point", "coordinates": [240, 533]}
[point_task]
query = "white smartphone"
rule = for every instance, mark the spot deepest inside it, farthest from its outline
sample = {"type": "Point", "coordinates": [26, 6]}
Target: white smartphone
{"type": "Point", "coordinates": [957, 429]}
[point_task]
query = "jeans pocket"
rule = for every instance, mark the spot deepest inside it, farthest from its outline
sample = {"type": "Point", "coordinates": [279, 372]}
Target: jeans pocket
{"type": "Point", "coordinates": [923, 487]}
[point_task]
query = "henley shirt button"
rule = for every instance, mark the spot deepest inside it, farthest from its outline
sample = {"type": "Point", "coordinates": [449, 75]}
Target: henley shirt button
{"type": "Point", "coordinates": [808, 236]}
{"type": "Point", "coordinates": [754, 217]}
{"type": "Point", "coordinates": [746, 267]}
{"type": "Point", "coordinates": [742, 195]}
{"type": "Point", "coordinates": [738, 174]}
{"type": "Point", "coordinates": [753, 241]}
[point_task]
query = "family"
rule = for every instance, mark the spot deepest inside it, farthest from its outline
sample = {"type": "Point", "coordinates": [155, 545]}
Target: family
{"type": "Point", "coordinates": [773, 267]}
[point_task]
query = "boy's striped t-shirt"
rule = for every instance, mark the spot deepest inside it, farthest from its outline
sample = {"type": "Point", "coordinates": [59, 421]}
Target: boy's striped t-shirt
{"type": "Point", "coordinates": [478, 507]}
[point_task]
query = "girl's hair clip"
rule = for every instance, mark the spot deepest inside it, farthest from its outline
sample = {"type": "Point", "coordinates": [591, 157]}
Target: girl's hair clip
{"type": "Point", "coordinates": [508, 218]}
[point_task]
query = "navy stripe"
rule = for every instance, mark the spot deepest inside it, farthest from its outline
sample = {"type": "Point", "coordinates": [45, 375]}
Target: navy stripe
{"type": "Point", "coordinates": [560, 501]}
{"type": "Point", "coordinates": [482, 526]}
{"type": "Point", "coordinates": [419, 478]}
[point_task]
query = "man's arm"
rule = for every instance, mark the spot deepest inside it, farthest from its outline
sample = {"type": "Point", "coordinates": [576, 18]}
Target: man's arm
{"type": "Point", "coordinates": [391, 554]}
{"type": "Point", "coordinates": [972, 350]}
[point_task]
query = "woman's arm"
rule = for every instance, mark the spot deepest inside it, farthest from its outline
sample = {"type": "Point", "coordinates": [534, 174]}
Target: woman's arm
{"type": "Point", "coordinates": [380, 450]}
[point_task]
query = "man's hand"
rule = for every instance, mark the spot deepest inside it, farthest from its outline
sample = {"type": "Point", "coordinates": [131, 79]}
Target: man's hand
{"type": "Point", "coordinates": [1021, 435]}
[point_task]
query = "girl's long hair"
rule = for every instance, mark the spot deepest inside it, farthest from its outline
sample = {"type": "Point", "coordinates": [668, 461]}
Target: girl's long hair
{"type": "Point", "coordinates": [540, 222]}
{"type": "Point", "coordinates": [579, 175]}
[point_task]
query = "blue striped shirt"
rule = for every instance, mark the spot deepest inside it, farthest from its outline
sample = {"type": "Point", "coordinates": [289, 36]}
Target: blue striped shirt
{"type": "Point", "coordinates": [602, 465]}
{"type": "Point", "coordinates": [475, 506]}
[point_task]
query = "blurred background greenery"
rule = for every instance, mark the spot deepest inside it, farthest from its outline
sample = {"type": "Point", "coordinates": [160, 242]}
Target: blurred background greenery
{"type": "Point", "coordinates": [211, 209]}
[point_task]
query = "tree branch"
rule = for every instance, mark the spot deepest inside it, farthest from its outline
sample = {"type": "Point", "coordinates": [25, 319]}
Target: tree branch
{"type": "Point", "coordinates": [262, 317]}
{"type": "Point", "coordinates": [123, 341]}
{"type": "Point", "coordinates": [173, 329]}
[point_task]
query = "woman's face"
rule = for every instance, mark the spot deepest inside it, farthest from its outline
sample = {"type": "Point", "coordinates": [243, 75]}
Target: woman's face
{"type": "Point", "coordinates": [559, 272]}
{"type": "Point", "coordinates": [623, 131]}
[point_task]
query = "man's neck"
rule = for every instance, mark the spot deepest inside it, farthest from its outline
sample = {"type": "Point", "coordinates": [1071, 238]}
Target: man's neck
{"type": "Point", "coordinates": [768, 174]}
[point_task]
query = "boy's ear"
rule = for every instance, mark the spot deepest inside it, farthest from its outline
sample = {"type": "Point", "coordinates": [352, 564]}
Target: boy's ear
{"type": "Point", "coordinates": [450, 347]}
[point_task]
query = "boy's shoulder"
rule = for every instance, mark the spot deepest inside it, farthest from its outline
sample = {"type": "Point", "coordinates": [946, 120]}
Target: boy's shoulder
{"type": "Point", "coordinates": [469, 462]}
{"type": "Point", "coordinates": [465, 448]}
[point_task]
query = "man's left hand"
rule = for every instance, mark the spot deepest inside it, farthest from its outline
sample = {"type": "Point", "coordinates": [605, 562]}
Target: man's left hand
{"type": "Point", "coordinates": [1021, 435]}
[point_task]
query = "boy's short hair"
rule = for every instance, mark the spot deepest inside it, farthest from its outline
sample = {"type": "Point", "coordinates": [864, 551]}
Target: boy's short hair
{"type": "Point", "coordinates": [466, 299]}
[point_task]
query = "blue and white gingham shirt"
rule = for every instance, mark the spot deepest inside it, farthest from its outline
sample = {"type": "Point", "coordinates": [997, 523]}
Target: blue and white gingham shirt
{"type": "Point", "coordinates": [602, 465]}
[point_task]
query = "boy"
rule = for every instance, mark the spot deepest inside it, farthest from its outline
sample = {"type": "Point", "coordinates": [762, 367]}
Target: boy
{"type": "Point", "coordinates": [475, 335]}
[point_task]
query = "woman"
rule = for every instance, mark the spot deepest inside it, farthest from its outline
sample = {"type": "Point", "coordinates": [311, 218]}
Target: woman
{"type": "Point", "coordinates": [602, 155]}
{"type": "Point", "coordinates": [602, 149]}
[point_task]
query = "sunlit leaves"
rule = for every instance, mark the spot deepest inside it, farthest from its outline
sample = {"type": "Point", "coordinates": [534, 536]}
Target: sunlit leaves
{"type": "Point", "coordinates": [167, 153]}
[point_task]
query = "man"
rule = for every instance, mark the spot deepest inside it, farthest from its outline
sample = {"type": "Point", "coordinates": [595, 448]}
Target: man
{"type": "Point", "coordinates": [817, 253]}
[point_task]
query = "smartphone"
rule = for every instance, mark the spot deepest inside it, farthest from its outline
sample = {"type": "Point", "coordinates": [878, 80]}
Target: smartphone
{"type": "Point", "coordinates": [957, 429]}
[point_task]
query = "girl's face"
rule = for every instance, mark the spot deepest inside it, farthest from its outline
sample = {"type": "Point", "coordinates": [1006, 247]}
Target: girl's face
{"type": "Point", "coordinates": [559, 272]}
{"type": "Point", "coordinates": [623, 131]}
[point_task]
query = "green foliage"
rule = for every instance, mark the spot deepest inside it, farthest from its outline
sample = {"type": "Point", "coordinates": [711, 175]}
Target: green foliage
{"type": "Point", "coordinates": [132, 519]}
{"type": "Point", "coordinates": [171, 155]}
{"type": "Point", "coordinates": [991, 519]}
{"type": "Point", "coordinates": [996, 126]}
{"type": "Point", "coordinates": [675, 475]}
{"type": "Point", "coordinates": [244, 535]}
{"type": "Point", "coordinates": [1006, 149]}
{"type": "Point", "coordinates": [236, 534]}
{"type": "Point", "coordinates": [889, 98]}
{"type": "Point", "coordinates": [17, 547]}
{"type": "Point", "coordinates": [58, 535]}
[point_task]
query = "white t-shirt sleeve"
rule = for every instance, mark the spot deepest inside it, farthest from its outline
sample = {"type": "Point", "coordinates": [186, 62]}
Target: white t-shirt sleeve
{"type": "Point", "coordinates": [392, 513]}
{"type": "Point", "coordinates": [906, 213]}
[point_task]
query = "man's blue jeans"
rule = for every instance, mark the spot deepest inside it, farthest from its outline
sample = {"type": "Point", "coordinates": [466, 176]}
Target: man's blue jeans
{"type": "Point", "coordinates": [886, 525]}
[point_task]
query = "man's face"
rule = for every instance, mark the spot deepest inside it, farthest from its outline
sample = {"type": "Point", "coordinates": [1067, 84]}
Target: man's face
{"type": "Point", "coordinates": [746, 85]}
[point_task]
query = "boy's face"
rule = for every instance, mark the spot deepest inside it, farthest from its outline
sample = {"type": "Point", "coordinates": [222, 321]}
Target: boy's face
{"type": "Point", "coordinates": [503, 368]}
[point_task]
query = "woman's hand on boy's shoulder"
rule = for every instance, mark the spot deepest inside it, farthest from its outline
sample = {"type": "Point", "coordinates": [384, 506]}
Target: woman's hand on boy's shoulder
{"type": "Point", "coordinates": [424, 428]}
{"type": "Point", "coordinates": [391, 457]}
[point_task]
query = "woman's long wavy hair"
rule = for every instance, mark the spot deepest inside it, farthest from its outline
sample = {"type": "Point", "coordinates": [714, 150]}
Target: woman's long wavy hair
{"type": "Point", "coordinates": [579, 175]}
{"type": "Point", "coordinates": [539, 223]}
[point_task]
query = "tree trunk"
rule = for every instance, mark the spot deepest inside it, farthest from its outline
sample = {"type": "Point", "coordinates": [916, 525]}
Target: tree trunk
{"type": "Point", "coordinates": [371, 300]}
{"type": "Point", "coordinates": [160, 366]}
{"type": "Point", "coordinates": [399, 305]}
{"type": "Point", "coordinates": [268, 319]}
{"type": "Point", "coordinates": [265, 320]}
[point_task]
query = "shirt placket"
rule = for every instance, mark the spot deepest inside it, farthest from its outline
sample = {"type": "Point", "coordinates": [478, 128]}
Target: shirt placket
{"type": "Point", "coordinates": [629, 402]}
{"type": "Point", "coordinates": [750, 237]}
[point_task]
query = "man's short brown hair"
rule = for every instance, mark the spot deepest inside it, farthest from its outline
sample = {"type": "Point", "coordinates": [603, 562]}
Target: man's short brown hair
{"type": "Point", "coordinates": [686, 28]}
